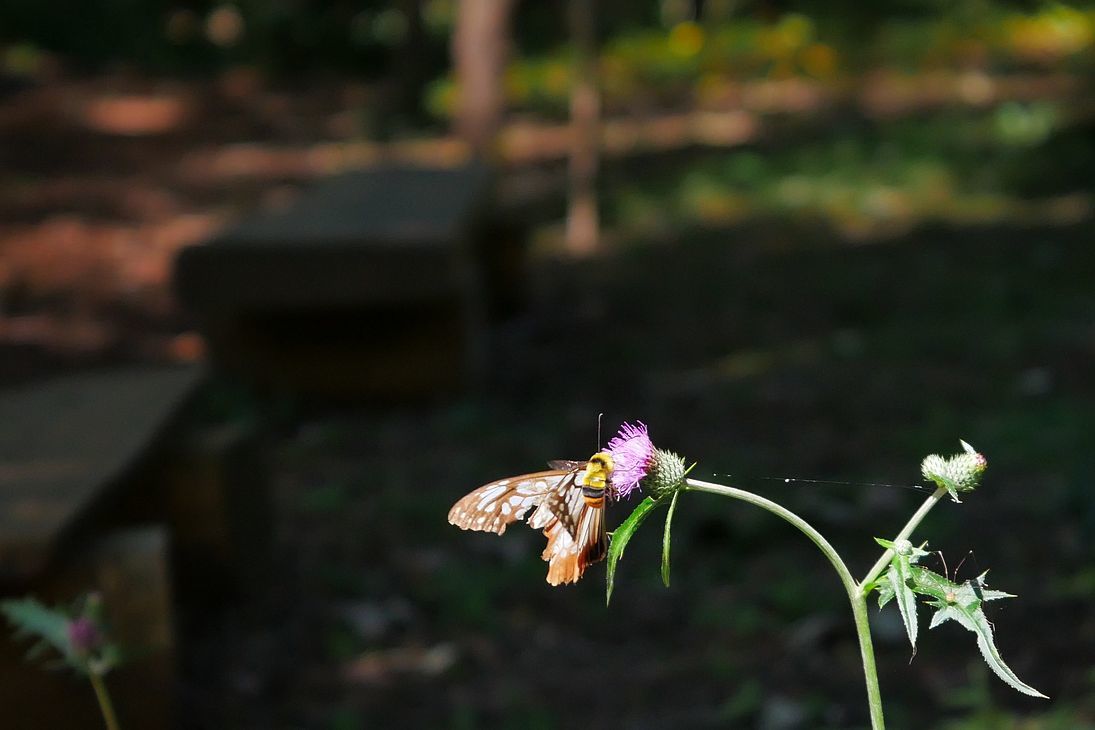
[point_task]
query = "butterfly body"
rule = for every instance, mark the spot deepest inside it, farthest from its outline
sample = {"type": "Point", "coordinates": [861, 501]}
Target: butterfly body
{"type": "Point", "coordinates": [569, 507]}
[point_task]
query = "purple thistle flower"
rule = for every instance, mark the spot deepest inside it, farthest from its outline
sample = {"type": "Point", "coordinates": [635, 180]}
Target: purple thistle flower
{"type": "Point", "coordinates": [83, 636]}
{"type": "Point", "coordinates": [632, 454]}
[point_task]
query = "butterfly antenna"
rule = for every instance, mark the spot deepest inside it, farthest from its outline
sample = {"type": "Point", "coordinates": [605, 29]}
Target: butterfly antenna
{"type": "Point", "coordinates": [944, 561]}
{"type": "Point", "coordinates": [600, 417]}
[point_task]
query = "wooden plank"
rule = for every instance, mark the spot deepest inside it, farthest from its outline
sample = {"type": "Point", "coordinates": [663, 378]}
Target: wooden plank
{"type": "Point", "coordinates": [66, 443]}
{"type": "Point", "coordinates": [401, 206]}
{"type": "Point", "coordinates": [387, 235]}
{"type": "Point", "coordinates": [390, 354]}
{"type": "Point", "coordinates": [373, 285]}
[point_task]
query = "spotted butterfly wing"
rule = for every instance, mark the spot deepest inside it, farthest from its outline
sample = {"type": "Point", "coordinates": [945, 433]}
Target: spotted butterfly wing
{"type": "Point", "coordinates": [494, 506]}
{"type": "Point", "coordinates": [566, 464]}
{"type": "Point", "coordinates": [568, 552]}
{"type": "Point", "coordinates": [574, 527]}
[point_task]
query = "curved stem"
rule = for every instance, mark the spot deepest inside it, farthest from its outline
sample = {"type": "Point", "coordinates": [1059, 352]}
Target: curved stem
{"type": "Point", "coordinates": [906, 531]}
{"type": "Point", "coordinates": [105, 705]}
{"type": "Point", "coordinates": [855, 594]}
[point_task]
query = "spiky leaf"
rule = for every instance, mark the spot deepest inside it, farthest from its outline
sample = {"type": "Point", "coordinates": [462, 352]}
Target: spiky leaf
{"type": "Point", "coordinates": [31, 619]}
{"type": "Point", "coordinates": [622, 536]}
{"type": "Point", "coordinates": [885, 592]}
{"type": "Point", "coordinates": [973, 618]}
{"type": "Point", "coordinates": [962, 603]}
{"type": "Point", "coordinates": [899, 579]}
{"type": "Point", "coordinates": [883, 585]}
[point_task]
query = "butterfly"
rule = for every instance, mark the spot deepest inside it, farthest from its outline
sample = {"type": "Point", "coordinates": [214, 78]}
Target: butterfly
{"type": "Point", "coordinates": [569, 501]}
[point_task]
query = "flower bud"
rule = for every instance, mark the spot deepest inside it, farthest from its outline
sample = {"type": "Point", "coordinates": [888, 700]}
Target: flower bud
{"type": "Point", "coordinates": [83, 636]}
{"type": "Point", "coordinates": [903, 547]}
{"type": "Point", "coordinates": [959, 473]}
{"type": "Point", "coordinates": [666, 474]}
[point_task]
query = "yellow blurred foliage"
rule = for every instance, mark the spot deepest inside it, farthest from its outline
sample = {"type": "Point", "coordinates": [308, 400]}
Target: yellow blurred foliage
{"type": "Point", "coordinates": [1055, 33]}
{"type": "Point", "coordinates": [819, 60]}
{"type": "Point", "coordinates": [686, 39]}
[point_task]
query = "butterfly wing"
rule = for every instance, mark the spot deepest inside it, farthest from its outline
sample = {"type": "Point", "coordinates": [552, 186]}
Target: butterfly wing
{"type": "Point", "coordinates": [561, 504]}
{"type": "Point", "coordinates": [575, 530]}
{"type": "Point", "coordinates": [567, 556]}
{"type": "Point", "coordinates": [566, 464]}
{"type": "Point", "coordinates": [492, 507]}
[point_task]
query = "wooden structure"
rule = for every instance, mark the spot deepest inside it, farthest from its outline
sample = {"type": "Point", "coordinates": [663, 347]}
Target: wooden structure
{"type": "Point", "coordinates": [100, 489]}
{"type": "Point", "coordinates": [375, 283]}
{"type": "Point", "coordinates": [66, 448]}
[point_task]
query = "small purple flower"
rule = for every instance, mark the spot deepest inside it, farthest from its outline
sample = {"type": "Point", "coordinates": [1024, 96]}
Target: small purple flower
{"type": "Point", "coordinates": [83, 636]}
{"type": "Point", "coordinates": [633, 454]}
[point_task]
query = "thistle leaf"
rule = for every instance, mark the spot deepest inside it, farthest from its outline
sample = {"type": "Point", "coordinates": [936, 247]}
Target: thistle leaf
{"type": "Point", "coordinates": [973, 618]}
{"type": "Point", "coordinates": [977, 587]}
{"type": "Point", "coordinates": [622, 536]}
{"type": "Point", "coordinates": [31, 619]}
{"type": "Point", "coordinates": [886, 589]}
{"type": "Point", "coordinates": [886, 592]}
{"type": "Point", "coordinates": [665, 538]}
{"type": "Point", "coordinates": [962, 603]}
{"type": "Point", "coordinates": [899, 578]}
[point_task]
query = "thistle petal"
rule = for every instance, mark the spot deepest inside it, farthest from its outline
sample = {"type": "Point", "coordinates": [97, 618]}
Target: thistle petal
{"type": "Point", "coordinates": [632, 455]}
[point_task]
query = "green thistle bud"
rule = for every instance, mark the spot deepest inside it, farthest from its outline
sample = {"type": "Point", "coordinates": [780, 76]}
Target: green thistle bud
{"type": "Point", "coordinates": [960, 473]}
{"type": "Point", "coordinates": [903, 547]}
{"type": "Point", "coordinates": [666, 474]}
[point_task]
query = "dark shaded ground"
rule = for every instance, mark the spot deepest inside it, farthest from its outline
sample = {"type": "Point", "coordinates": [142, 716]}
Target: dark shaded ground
{"type": "Point", "coordinates": [769, 350]}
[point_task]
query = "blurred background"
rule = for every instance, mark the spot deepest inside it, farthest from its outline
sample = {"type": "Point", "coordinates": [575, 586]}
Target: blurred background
{"type": "Point", "coordinates": [385, 252]}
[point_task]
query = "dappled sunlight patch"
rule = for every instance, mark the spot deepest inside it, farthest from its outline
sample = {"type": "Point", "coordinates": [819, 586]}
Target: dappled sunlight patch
{"type": "Point", "coordinates": [133, 115]}
{"type": "Point", "coordinates": [384, 666]}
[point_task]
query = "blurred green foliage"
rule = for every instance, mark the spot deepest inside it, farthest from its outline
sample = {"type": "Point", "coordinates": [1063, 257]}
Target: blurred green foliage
{"type": "Point", "coordinates": [983, 713]}
{"type": "Point", "coordinates": [966, 167]}
{"type": "Point", "coordinates": [654, 52]}
{"type": "Point", "coordinates": [698, 61]}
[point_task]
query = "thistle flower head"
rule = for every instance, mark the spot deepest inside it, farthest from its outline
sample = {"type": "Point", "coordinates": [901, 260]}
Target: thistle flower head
{"type": "Point", "coordinates": [83, 636]}
{"type": "Point", "coordinates": [666, 474]}
{"type": "Point", "coordinates": [960, 473]}
{"type": "Point", "coordinates": [633, 455]}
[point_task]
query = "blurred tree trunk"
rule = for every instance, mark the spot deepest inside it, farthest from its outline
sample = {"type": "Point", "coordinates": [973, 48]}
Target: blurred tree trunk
{"type": "Point", "coordinates": [583, 225]}
{"type": "Point", "coordinates": [480, 44]}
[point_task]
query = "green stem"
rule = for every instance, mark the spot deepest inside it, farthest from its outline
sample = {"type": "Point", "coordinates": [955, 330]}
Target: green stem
{"type": "Point", "coordinates": [105, 705]}
{"type": "Point", "coordinates": [855, 595]}
{"type": "Point", "coordinates": [876, 570]}
{"type": "Point", "coordinates": [866, 654]}
{"type": "Point", "coordinates": [666, 536]}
